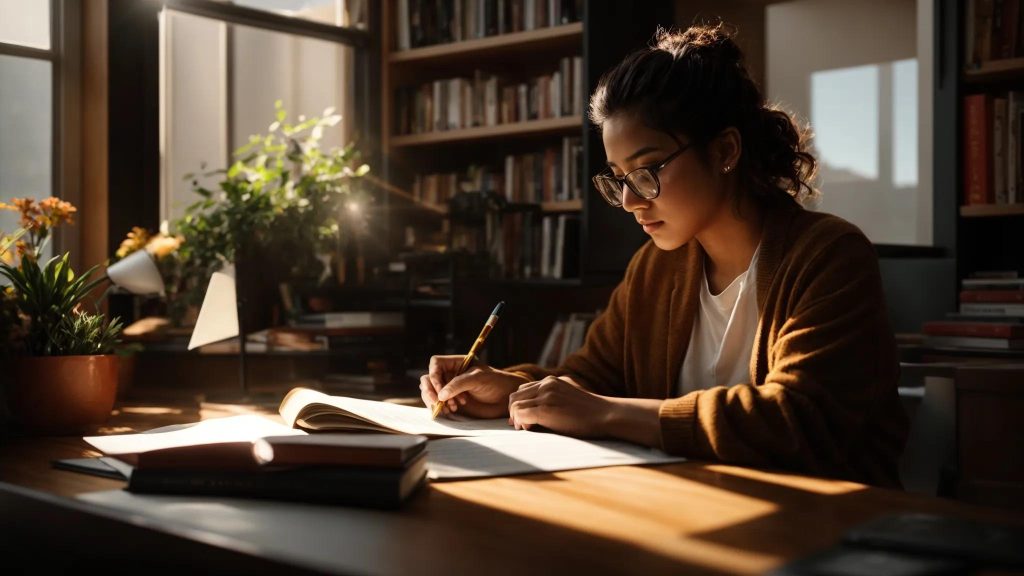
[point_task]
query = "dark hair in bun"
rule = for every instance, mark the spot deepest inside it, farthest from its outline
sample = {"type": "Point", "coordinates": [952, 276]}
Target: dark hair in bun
{"type": "Point", "coordinates": [695, 83]}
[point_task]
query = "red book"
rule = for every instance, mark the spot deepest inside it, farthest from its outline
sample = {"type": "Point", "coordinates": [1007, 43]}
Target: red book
{"type": "Point", "coordinates": [974, 329]}
{"type": "Point", "coordinates": [999, 296]}
{"type": "Point", "coordinates": [978, 149]}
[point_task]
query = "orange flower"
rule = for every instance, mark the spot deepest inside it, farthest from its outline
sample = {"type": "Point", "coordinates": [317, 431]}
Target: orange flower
{"type": "Point", "coordinates": [136, 240]}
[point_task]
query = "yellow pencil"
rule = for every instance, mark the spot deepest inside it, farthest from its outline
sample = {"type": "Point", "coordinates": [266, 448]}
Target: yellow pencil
{"type": "Point", "coordinates": [488, 326]}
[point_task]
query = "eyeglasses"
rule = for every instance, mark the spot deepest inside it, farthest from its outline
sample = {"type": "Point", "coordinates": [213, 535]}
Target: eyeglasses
{"type": "Point", "coordinates": [643, 181]}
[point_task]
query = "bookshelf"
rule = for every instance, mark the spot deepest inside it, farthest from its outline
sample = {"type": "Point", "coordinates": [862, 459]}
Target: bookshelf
{"type": "Point", "coordinates": [976, 62]}
{"type": "Point", "coordinates": [529, 128]}
{"type": "Point", "coordinates": [979, 63]}
{"type": "Point", "coordinates": [482, 139]}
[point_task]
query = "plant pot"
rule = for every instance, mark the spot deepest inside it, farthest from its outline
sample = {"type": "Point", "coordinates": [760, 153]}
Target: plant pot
{"type": "Point", "coordinates": [61, 395]}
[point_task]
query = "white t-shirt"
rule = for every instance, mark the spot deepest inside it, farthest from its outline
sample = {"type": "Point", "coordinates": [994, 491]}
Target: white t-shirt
{"type": "Point", "coordinates": [723, 334]}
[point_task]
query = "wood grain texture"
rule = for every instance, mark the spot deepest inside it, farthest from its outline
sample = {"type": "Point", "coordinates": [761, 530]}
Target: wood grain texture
{"type": "Point", "coordinates": [683, 518]}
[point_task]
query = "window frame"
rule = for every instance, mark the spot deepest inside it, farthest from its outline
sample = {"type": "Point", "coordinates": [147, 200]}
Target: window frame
{"type": "Point", "coordinates": [365, 44]}
{"type": "Point", "coordinates": [65, 110]}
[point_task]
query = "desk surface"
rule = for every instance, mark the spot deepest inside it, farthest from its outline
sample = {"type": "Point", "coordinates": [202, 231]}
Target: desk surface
{"type": "Point", "coordinates": [691, 517]}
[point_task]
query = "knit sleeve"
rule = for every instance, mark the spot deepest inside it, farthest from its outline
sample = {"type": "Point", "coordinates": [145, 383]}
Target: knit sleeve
{"type": "Point", "coordinates": [598, 364]}
{"type": "Point", "coordinates": [832, 371]}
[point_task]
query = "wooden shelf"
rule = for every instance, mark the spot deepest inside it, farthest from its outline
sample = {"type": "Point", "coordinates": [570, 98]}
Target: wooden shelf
{"type": "Point", "coordinates": [991, 210]}
{"type": "Point", "coordinates": [534, 41]}
{"type": "Point", "coordinates": [563, 206]}
{"type": "Point", "coordinates": [548, 126]}
{"type": "Point", "coordinates": [996, 70]}
{"type": "Point", "coordinates": [392, 189]}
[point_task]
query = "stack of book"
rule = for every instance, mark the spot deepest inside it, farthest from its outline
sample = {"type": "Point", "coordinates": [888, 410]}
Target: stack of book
{"type": "Point", "coordinates": [372, 470]}
{"type": "Point", "coordinates": [991, 315]}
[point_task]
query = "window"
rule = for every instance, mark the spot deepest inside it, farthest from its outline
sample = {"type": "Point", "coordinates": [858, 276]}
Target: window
{"type": "Point", "coordinates": [33, 100]}
{"type": "Point", "coordinates": [220, 77]}
{"type": "Point", "coordinates": [864, 88]}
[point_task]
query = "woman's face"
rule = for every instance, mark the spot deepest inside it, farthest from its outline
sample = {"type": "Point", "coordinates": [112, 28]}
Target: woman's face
{"type": "Point", "coordinates": [692, 194]}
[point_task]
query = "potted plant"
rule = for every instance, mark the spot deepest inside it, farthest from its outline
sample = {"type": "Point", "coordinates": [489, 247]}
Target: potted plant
{"type": "Point", "coordinates": [62, 375]}
{"type": "Point", "coordinates": [280, 213]}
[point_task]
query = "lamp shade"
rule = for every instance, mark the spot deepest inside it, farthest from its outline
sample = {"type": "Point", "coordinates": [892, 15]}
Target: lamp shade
{"type": "Point", "coordinates": [137, 273]}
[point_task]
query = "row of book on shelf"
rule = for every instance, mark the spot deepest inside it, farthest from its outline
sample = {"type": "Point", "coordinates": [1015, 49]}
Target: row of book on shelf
{"type": "Point", "coordinates": [992, 31]}
{"type": "Point", "coordinates": [565, 337]}
{"type": "Point", "coordinates": [993, 170]}
{"type": "Point", "coordinates": [530, 248]}
{"type": "Point", "coordinates": [428, 22]}
{"type": "Point", "coordinates": [550, 175]}
{"type": "Point", "coordinates": [489, 100]}
{"type": "Point", "coordinates": [990, 316]}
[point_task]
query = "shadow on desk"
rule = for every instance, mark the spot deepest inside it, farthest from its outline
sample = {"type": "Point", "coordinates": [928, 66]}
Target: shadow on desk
{"type": "Point", "coordinates": [52, 533]}
{"type": "Point", "coordinates": [681, 518]}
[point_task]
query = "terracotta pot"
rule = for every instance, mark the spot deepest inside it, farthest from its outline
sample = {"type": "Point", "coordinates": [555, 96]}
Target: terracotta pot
{"type": "Point", "coordinates": [61, 395]}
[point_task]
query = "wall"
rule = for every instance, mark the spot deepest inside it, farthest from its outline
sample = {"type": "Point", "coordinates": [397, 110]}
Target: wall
{"type": "Point", "coordinates": [851, 70]}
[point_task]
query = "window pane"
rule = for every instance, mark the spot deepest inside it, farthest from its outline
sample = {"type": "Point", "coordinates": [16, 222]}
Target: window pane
{"type": "Point", "coordinates": [194, 95]}
{"type": "Point", "coordinates": [306, 75]}
{"type": "Point", "coordinates": [26, 132]}
{"type": "Point", "coordinates": [852, 70]}
{"type": "Point", "coordinates": [25, 22]}
{"type": "Point", "coordinates": [325, 11]}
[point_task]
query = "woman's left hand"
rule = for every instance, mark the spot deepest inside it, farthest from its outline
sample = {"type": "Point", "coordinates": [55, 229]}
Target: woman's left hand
{"type": "Point", "coordinates": [559, 405]}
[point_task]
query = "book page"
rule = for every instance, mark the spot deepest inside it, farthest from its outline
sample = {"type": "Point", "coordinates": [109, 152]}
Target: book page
{"type": "Point", "coordinates": [341, 412]}
{"type": "Point", "coordinates": [531, 452]}
{"type": "Point", "coordinates": [246, 428]}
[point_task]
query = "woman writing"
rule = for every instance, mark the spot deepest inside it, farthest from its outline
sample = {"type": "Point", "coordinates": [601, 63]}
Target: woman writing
{"type": "Point", "coordinates": [748, 330]}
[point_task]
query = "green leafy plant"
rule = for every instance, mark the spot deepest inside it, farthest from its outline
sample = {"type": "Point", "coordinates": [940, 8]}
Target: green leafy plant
{"type": "Point", "coordinates": [50, 297]}
{"type": "Point", "coordinates": [284, 198]}
{"type": "Point", "coordinates": [40, 312]}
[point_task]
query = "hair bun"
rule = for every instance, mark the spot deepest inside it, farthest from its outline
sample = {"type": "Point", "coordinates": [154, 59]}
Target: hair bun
{"type": "Point", "coordinates": [714, 42]}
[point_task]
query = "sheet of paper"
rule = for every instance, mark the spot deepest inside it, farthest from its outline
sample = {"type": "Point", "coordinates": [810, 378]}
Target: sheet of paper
{"type": "Point", "coordinates": [218, 317]}
{"type": "Point", "coordinates": [406, 419]}
{"type": "Point", "coordinates": [245, 428]}
{"type": "Point", "coordinates": [531, 452]}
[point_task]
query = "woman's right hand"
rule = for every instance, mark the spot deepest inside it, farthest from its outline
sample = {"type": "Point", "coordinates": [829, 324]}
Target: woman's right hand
{"type": "Point", "coordinates": [480, 392]}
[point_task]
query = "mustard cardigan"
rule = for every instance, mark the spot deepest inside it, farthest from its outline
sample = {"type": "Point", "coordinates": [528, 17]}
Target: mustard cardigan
{"type": "Point", "coordinates": [822, 396]}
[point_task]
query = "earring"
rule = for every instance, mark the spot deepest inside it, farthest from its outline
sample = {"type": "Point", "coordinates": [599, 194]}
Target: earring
{"type": "Point", "coordinates": [726, 170]}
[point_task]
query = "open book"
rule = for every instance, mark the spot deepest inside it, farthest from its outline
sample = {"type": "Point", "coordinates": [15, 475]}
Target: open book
{"type": "Point", "coordinates": [315, 411]}
{"type": "Point", "coordinates": [463, 447]}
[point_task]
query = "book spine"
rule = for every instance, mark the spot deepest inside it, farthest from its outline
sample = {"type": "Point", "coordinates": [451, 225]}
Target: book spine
{"type": "Point", "coordinates": [999, 156]}
{"type": "Point", "coordinates": [978, 165]}
{"type": "Point", "coordinates": [381, 492]}
{"type": "Point", "coordinates": [996, 296]}
{"type": "Point", "coordinates": [970, 342]}
{"type": "Point", "coordinates": [988, 309]}
{"type": "Point", "coordinates": [973, 329]}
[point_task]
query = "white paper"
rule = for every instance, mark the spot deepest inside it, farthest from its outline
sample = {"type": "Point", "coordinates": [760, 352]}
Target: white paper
{"type": "Point", "coordinates": [218, 318]}
{"type": "Point", "coordinates": [531, 452]}
{"type": "Point", "coordinates": [405, 419]}
{"type": "Point", "coordinates": [245, 428]}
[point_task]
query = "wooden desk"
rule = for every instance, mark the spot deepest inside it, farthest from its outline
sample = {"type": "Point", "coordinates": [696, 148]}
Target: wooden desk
{"type": "Point", "coordinates": [683, 518]}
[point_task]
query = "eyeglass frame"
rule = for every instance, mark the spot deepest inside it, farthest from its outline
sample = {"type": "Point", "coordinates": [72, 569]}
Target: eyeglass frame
{"type": "Point", "coordinates": [608, 175]}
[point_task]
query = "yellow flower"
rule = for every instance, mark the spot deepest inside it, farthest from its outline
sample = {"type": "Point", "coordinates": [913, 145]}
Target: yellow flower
{"type": "Point", "coordinates": [136, 240]}
{"type": "Point", "coordinates": [161, 245]}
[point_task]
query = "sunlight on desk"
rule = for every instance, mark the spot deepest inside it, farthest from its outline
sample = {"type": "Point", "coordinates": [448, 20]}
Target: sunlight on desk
{"type": "Point", "coordinates": [805, 483]}
{"type": "Point", "coordinates": [149, 410]}
{"type": "Point", "coordinates": [652, 502]}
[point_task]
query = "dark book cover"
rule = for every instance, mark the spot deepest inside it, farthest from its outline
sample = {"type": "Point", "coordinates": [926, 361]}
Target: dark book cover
{"type": "Point", "coordinates": [353, 486]}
